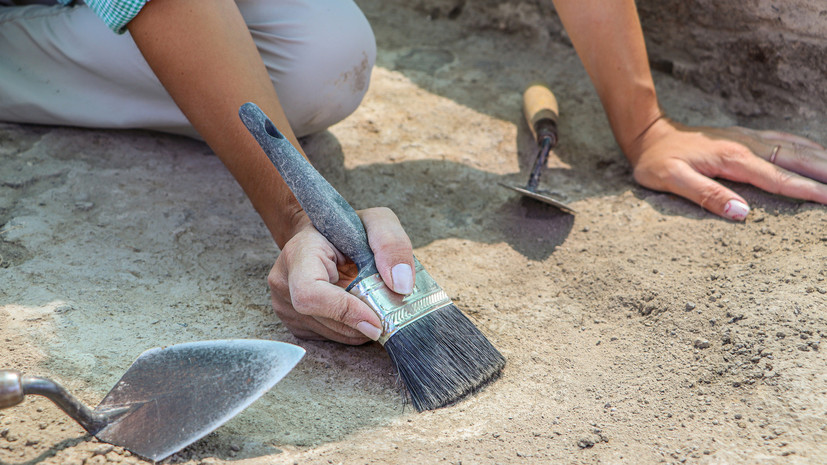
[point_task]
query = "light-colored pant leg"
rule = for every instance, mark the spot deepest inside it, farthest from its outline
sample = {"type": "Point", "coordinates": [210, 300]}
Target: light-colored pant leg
{"type": "Point", "coordinates": [63, 66]}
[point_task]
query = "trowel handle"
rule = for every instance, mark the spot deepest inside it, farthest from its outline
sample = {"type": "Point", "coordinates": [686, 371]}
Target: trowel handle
{"type": "Point", "coordinates": [14, 387]}
{"type": "Point", "coordinates": [11, 389]}
{"type": "Point", "coordinates": [327, 209]}
{"type": "Point", "coordinates": [541, 113]}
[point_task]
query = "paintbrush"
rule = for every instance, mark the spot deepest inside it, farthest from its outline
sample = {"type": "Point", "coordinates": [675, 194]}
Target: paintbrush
{"type": "Point", "coordinates": [439, 353]}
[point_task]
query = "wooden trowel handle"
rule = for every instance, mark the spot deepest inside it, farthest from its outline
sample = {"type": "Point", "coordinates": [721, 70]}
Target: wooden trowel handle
{"type": "Point", "coordinates": [541, 112]}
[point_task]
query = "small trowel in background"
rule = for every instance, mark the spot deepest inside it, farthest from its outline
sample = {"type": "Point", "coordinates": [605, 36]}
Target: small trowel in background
{"type": "Point", "coordinates": [171, 396]}
{"type": "Point", "coordinates": [541, 112]}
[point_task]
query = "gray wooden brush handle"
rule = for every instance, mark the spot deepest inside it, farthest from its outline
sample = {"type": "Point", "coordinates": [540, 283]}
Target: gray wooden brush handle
{"type": "Point", "coordinates": [328, 210]}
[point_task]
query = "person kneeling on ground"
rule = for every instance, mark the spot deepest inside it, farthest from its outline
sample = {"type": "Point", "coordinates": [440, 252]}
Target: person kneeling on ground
{"type": "Point", "coordinates": [186, 66]}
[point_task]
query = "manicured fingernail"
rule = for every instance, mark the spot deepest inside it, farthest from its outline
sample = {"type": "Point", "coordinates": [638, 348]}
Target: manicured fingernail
{"type": "Point", "coordinates": [736, 210]}
{"type": "Point", "coordinates": [402, 279]}
{"type": "Point", "coordinates": [368, 330]}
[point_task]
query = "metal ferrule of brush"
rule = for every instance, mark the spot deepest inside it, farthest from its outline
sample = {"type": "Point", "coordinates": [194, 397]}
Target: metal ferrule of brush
{"type": "Point", "coordinates": [395, 310]}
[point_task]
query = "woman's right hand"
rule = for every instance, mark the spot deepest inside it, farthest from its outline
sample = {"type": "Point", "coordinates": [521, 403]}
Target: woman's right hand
{"type": "Point", "coordinates": [308, 279]}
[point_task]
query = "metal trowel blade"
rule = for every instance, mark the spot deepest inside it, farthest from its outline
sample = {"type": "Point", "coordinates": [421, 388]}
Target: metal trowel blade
{"type": "Point", "coordinates": [542, 198]}
{"type": "Point", "coordinates": [178, 394]}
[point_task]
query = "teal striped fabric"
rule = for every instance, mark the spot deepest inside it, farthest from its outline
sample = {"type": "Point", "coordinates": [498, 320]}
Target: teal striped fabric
{"type": "Point", "coordinates": [115, 13]}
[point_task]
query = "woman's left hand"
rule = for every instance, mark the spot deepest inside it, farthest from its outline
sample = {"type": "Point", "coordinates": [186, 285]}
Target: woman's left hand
{"type": "Point", "coordinates": [684, 160]}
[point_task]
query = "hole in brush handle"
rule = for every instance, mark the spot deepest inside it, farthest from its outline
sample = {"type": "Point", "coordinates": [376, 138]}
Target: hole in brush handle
{"type": "Point", "coordinates": [271, 129]}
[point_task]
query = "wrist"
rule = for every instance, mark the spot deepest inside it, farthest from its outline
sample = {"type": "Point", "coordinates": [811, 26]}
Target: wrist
{"type": "Point", "coordinates": [632, 114]}
{"type": "Point", "coordinates": [293, 220]}
{"type": "Point", "coordinates": [634, 143]}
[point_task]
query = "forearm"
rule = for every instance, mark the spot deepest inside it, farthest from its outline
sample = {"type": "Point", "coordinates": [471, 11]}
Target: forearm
{"type": "Point", "coordinates": [609, 40]}
{"type": "Point", "coordinates": [204, 55]}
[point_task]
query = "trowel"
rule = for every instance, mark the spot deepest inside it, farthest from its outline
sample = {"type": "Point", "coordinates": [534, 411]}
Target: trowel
{"type": "Point", "coordinates": [541, 112]}
{"type": "Point", "coordinates": [171, 396]}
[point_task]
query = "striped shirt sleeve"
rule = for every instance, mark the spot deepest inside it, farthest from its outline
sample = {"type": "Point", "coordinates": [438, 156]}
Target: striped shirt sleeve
{"type": "Point", "coordinates": [115, 13]}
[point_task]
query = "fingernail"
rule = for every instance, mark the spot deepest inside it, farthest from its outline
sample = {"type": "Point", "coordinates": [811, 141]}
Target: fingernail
{"type": "Point", "coordinates": [368, 330]}
{"type": "Point", "coordinates": [402, 279]}
{"type": "Point", "coordinates": [736, 210]}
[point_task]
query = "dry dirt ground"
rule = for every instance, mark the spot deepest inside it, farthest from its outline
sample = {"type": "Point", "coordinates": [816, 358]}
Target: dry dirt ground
{"type": "Point", "coordinates": [640, 330]}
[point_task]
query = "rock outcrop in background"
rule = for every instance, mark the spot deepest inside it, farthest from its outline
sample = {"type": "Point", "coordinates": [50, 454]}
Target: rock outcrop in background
{"type": "Point", "coordinates": [763, 56]}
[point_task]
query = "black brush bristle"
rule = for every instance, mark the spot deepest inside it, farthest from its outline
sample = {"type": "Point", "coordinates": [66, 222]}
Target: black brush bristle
{"type": "Point", "coordinates": [442, 357]}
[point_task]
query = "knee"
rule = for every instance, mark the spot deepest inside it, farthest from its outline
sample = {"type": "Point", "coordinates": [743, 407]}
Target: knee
{"type": "Point", "coordinates": [320, 58]}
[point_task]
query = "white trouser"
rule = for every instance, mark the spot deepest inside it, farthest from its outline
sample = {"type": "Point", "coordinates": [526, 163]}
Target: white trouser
{"type": "Point", "coordinates": [63, 66]}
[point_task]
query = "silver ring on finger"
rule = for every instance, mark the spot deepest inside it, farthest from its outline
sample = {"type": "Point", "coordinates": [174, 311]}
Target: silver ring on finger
{"type": "Point", "coordinates": [774, 154]}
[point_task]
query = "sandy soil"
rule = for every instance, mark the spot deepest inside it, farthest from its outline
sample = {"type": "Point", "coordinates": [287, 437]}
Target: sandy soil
{"type": "Point", "coordinates": [640, 330]}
